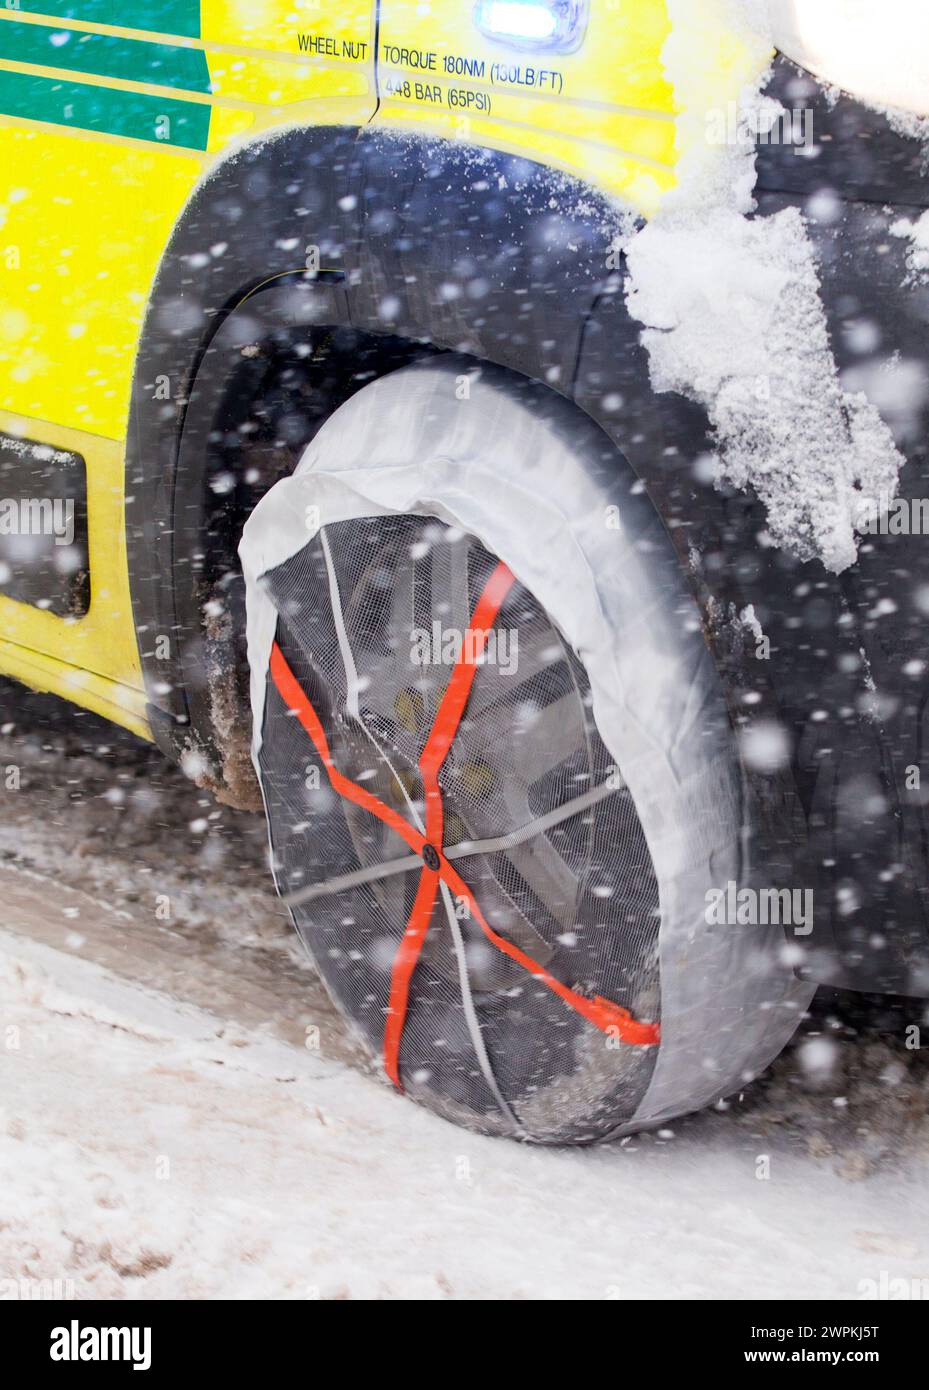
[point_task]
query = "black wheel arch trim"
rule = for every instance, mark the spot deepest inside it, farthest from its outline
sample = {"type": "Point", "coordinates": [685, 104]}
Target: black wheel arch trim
{"type": "Point", "coordinates": [521, 280]}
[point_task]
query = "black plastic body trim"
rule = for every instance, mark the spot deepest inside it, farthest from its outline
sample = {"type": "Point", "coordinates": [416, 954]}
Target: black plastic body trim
{"type": "Point", "coordinates": [44, 548]}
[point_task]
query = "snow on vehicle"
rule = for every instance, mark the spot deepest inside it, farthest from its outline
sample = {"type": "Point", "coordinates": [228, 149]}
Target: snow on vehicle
{"type": "Point", "coordinates": [561, 368]}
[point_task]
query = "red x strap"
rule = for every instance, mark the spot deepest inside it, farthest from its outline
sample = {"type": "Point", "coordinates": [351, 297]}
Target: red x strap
{"type": "Point", "coordinates": [602, 1013]}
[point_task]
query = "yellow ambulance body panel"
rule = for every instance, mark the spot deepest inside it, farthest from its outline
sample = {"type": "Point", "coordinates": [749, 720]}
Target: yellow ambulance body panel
{"type": "Point", "coordinates": [112, 110]}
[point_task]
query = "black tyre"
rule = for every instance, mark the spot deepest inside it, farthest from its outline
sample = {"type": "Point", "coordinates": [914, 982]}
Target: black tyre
{"type": "Point", "coordinates": [497, 766]}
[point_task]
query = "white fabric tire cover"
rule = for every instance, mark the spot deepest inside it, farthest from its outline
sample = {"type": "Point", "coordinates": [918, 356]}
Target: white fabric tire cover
{"type": "Point", "coordinates": [542, 489]}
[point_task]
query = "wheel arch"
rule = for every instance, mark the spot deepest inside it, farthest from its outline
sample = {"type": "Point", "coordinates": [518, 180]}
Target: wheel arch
{"type": "Point", "coordinates": [423, 246]}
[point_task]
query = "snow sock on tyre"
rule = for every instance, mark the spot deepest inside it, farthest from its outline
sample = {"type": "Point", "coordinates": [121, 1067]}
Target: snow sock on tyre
{"type": "Point", "coordinates": [460, 846]}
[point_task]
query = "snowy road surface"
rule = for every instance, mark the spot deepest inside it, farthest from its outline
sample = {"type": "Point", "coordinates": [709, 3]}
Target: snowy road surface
{"type": "Point", "coordinates": [165, 1131]}
{"type": "Point", "coordinates": [162, 1148]}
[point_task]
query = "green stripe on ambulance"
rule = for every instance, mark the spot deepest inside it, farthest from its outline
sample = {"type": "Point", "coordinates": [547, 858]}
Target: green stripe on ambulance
{"type": "Point", "coordinates": [162, 120]}
{"type": "Point", "coordinates": [102, 55]}
{"type": "Point", "coordinates": [180, 17]}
